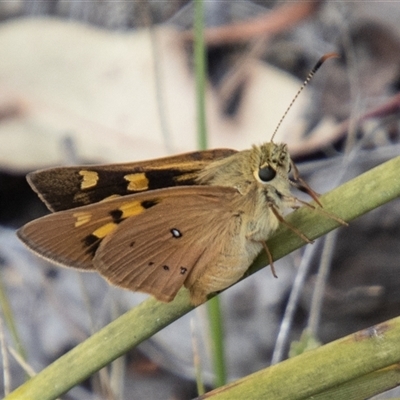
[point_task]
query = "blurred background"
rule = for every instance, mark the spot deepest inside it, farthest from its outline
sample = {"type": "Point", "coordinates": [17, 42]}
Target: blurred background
{"type": "Point", "coordinates": [105, 82]}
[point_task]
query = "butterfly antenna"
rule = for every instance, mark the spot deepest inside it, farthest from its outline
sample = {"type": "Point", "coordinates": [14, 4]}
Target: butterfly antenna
{"type": "Point", "coordinates": [305, 83]}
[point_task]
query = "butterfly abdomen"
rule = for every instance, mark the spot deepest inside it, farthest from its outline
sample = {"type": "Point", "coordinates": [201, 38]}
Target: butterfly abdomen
{"type": "Point", "coordinates": [227, 268]}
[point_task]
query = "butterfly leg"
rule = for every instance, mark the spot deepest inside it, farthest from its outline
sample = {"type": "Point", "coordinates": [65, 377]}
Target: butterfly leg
{"type": "Point", "coordinates": [270, 259]}
{"type": "Point", "coordinates": [250, 236]}
{"type": "Point", "coordinates": [322, 211]}
{"type": "Point", "coordinates": [288, 225]}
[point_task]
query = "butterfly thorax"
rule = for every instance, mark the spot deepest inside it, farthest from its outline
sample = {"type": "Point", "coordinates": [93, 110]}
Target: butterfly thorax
{"type": "Point", "coordinates": [260, 175]}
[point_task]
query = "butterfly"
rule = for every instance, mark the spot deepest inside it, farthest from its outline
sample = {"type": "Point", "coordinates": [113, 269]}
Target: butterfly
{"type": "Point", "coordinates": [196, 220]}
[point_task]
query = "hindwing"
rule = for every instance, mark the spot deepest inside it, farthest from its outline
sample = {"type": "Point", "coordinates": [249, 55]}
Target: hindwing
{"type": "Point", "coordinates": [151, 242]}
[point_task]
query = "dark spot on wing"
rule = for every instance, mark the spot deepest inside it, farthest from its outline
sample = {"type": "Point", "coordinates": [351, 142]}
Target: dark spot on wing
{"type": "Point", "coordinates": [116, 215]}
{"type": "Point", "coordinates": [165, 267]}
{"type": "Point", "coordinates": [148, 203]}
{"type": "Point", "coordinates": [169, 177]}
{"type": "Point", "coordinates": [176, 233]}
{"type": "Point", "coordinates": [92, 243]}
{"type": "Point", "coordinates": [183, 270]}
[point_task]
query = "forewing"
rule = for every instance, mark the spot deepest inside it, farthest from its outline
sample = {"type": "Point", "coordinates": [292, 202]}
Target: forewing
{"type": "Point", "coordinates": [157, 251]}
{"type": "Point", "coordinates": [64, 188]}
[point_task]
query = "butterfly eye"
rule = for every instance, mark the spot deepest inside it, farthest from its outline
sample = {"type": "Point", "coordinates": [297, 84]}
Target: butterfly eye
{"type": "Point", "coordinates": [266, 174]}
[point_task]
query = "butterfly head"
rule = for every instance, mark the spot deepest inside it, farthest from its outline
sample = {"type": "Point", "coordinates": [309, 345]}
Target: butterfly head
{"type": "Point", "coordinates": [269, 161]}
{"type": "Point", "coordinates": [261, 166]}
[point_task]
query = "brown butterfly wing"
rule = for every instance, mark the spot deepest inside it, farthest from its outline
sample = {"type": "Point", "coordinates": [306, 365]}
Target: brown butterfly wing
{"type": "Point", "coordinates": [64, 188]}
{"type": "Point", "coordinates": [66, 237]}
{"type": "Point", "coordinates": [151, 242]}
{"type": "Point", "coordinates": [157, 251]}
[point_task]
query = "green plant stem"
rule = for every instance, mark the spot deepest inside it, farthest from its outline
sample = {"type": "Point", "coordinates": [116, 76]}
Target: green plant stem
{"type": "Point", "coordinates": [9, 320]}
{"type": "Point", "coordinates": [352, 199]}
{"type": "Point", "coordinates": [215, 316]}
{"type": "Point", "coordinates": [200, 73]}
{"type": "Point", "coordinates": [114, 340]}
{"type": "Point", "coordinates": [365, 386]}
{"type": "Point", "coordinates": [215, 319]}
{"type": "Point", "coordinates": [317, 371]}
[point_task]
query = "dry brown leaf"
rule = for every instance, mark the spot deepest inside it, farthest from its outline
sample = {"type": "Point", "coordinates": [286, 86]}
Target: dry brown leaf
{"type": "Point", "coordinates": [65, 79]}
